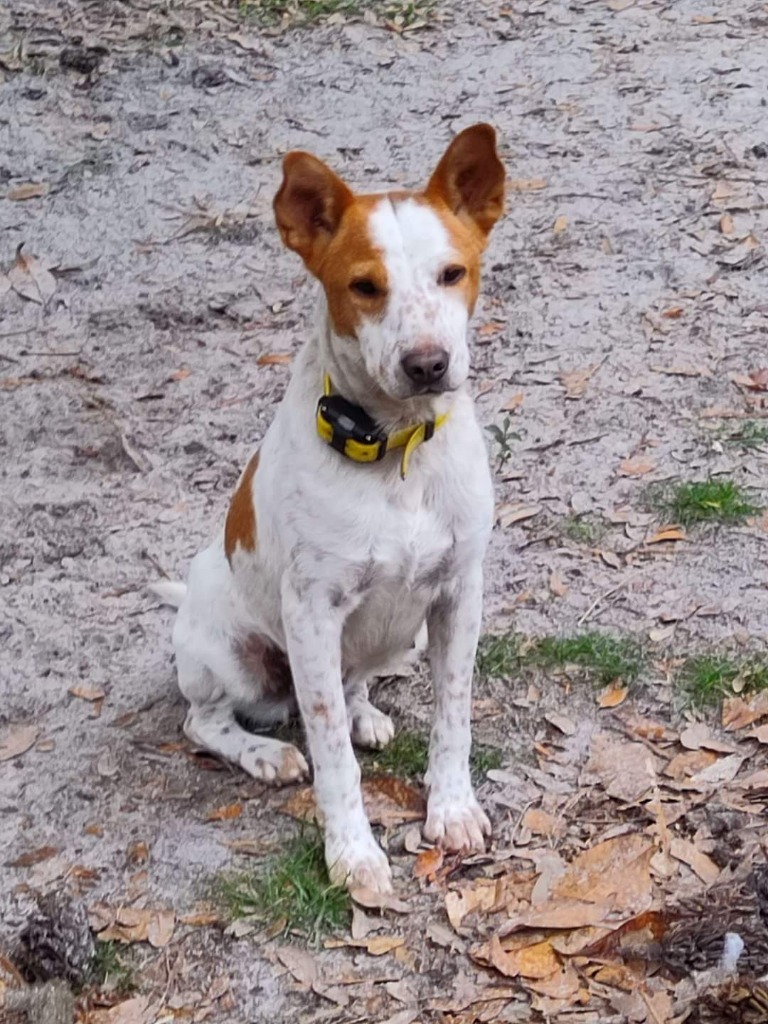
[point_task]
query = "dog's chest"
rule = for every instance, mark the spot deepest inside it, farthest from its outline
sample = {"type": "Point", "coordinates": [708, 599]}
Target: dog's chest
{"type": "Point", "coordinates": [414, 545]}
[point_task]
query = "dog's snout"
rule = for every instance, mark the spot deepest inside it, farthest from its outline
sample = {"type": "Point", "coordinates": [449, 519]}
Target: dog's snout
{"type": "Point", "coordinates": [425, 367]}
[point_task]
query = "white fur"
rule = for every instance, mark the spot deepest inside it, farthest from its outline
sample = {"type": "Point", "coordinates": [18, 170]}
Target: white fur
{"type": "Point", "coordinates": [350, 561]}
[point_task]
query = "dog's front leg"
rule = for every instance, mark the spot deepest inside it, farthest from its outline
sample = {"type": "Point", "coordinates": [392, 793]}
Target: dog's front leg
{"type": "Point", "coordinates": [454, 817]}
{"type": "Point", "coordinates": [313, 627]}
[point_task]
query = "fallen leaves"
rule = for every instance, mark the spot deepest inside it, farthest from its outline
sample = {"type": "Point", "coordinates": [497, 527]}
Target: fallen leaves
{"type": "Point", "coordinates": [30, 278]}
{"type": "Point", "coordinates": [132, 924]}
{"type": "Point", "coordinates": [526, 184]}
{"type": "Point", "coordinates": [87, 693]}
{"type": "Point", "coordinates": [638, 466]}
{"type": "Point", "coordinates": [274, 359]}
{"type": "Point", "coordinates": [388, 801]}
{"type": "Point", "coordinates": [27, 860]}
{"type": "Point", "coordinates": [575, 381]}
{"type": "Point", "coordinates": [17, 741]}
{"type": "Point", "coordinates": [226, 813]}
{"type": "Point", "coordinates": [515, 512]}
{"type": "Point", "coordinates": [28, 190]}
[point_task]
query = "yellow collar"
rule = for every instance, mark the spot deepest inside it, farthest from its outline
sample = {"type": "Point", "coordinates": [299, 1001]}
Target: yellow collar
{"type": "Point", "coordinates": [350, 430]}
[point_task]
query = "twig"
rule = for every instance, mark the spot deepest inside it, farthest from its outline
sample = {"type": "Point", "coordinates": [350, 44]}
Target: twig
{"type": "Point", "coordinates": [601, 597]}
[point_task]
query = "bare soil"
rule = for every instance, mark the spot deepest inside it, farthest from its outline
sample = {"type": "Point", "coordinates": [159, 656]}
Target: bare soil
{"type": "Point", "coordinates": [633, 250]}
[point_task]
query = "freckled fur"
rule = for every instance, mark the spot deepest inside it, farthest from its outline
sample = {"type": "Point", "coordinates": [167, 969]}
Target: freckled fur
{"type": "Point", "coordinates": [351, 560]}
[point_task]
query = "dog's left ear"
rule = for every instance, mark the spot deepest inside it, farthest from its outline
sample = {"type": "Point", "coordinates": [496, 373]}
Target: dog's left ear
{"type": "Point", "coordinates": [470, 177]}
{"type": "Point", "coordinates": [309, 206]}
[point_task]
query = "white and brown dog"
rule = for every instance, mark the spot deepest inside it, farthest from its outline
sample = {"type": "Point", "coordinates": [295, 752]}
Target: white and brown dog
{"type": "Point", "coordinates": [365, 514]}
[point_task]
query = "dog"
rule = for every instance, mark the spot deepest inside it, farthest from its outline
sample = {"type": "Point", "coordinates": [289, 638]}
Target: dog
{"type": "Point", "coordinates": [366, 512]}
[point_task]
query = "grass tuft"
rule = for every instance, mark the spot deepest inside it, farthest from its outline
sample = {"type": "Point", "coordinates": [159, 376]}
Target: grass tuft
{"type": "Point", "coordinates": [498, 656]}
{"type": "Point", "coordinates": [404, 13]}
{"type": "Point", "coordinates": [583, 529]}
{"type": "Point", "coordinates": [707, 501]}
{"type": "Point", "coordinates": [707, 678]}
{"type": "Point", "coordinates": [294, 892]}
{"type": "Point", "coordinates": [482, 760]}
{"type": "Point", "coordinates": [750, 434]}
{"type": "Point", "coordinates": [109, 969]}
{"type": "Point", "coordinates": [406, 755]}
{"type": "Point", "coordinates": [605, 658]}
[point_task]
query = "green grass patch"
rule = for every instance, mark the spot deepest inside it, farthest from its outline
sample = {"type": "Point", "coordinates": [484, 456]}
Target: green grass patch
{"type": "Point", "coordinates": [482, 759]}
{"type": "Point", "coordinates": [750, 434]}
{"type": "Point", "coordinates": [707, 678]}
{"type": "Point", "coordinates": [498, 656]}
{"type": "Point", "coordinates": [717, 500]}
{"type": "Point", "coordinates": [584, 529]}
{"type": "Point", "coordinates": [269, 13]}
{"type": "Point", "coordinates": [604, 657]}
{"type": "Point", "coordinates": [293, 893]}
{"type": "Point", "coordinates": [110, 969]}
{"type": "Point", "coordinates": [406, 755]}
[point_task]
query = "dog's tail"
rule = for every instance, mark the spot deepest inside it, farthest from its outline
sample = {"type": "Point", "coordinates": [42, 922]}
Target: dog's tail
{"type": "Point", "coordinates": [169, 592]}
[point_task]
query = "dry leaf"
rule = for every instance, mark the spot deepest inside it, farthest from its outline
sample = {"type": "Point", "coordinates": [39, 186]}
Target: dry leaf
{"type": "Point", "coordinates": [682, 370]}
{"type": "Point", "coordinates": [536, 961]}
{"type": "Point", "coordinates": [513, 403]}
{"type": "Point", "coordinates": [560, 225]}
{"type": "Point", "coordinates": [516, 513]}
{"type": "Point", "coordinates": [482, 896]}
{"type": "Point", "coordinates": [724, 770]}
{"type": "Point", "coordinates": [562, 723]}
{"type": "Point", "coordinates": [738, 713]}
{"type": "Point", "coordinates": [619, 5]}
{"type": "Point", "coordinates": [638, 771]}
{"type": "Point", "coordinates": [610, 558]}
{"type": "Point", "coordinates": [160, 929]}
{"type": "Point", "coordinates": [560, 914]}
{"type": "Point", "coordinates": [274, 359]}
{"type": "Point", "coordinates": [26, 860]}
{"type": "Point", "coordinates": [380, 944]}
{"type": "Point", "coordinates": [301, 964]}
{"type": "Point", "coordinates": [638, 466]}
{"type": "Point", "coordinates": [612, 696]}
{"type": "Point", "coordinates": [540, 823]}
{"type": "Point", "coordinates": [616, 870]}
{"type": "Point", "coordinates": [556, 584]}
{"type": "Point", "coordinates": [526, 184]}
{"type": "Point", "coordinates": [575, 381]}
{"type": "Point", "coordinates": [673, 313]}
{"type": "Point", "coordinates": [372, 900]}
{"type": "Point", "coordinates": [687, 852]}
{"type": "Point", "coordinates": [137, 853]}
{"type": "Point", "coordinates": [29, 190]}
{"type": "Point", "coordinates": [226, 813]}
{"type": "Point", "coordinates": [427, 863]}
{"type": "Point", "coordinates": [726, 224]}
{"type": "Point", "coordinates": [685, 765]}
{"type": "Point", "coordinates": [667, 533]}
{"type": "Point", "coordinates": [132, 1011]}
{"type": "Point", "coordinates": [30, 278]}
{"type": "Point", "coordinates": [18, 741]}
{"type": "Point", "coordinates": [86, 693]}
{"type": "Point", "coordinates": [388, 801]}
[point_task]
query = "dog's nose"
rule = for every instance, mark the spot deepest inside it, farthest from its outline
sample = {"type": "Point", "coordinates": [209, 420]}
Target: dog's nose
{"type": "Point", "coordinates": [425, 367]}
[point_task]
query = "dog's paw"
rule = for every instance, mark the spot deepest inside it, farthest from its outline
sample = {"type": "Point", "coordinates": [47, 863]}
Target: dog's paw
{"type": "Point", "coordinates": [368, 726]}
{"type": "Point", "coordinates": [275, 762]}
{"type": "Point", "coordinates": [457, 825]}
{"type": "Point", "coordinates": [358, 863]}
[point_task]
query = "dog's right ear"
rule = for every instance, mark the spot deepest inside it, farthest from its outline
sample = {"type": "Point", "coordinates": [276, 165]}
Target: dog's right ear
{"type": "Point", "coordinates": [309, 206]}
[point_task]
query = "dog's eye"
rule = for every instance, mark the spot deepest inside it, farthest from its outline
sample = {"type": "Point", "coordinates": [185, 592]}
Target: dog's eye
{"type": "Point", "coordinates": [364, 286]}
{"type": "Point", "coordinates": [451, 275]}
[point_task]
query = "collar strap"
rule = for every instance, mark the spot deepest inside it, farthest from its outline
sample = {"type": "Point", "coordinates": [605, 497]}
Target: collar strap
{"type": "Point", "coordinates": [350, 430]}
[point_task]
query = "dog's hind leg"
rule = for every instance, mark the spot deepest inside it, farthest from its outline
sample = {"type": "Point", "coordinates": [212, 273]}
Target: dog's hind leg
{"type": "Point", "coordinates": [211, 723]}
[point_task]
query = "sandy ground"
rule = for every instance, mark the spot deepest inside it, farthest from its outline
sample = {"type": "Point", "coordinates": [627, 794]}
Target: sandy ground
{"type": "Point", "coordinates": [632, 250]}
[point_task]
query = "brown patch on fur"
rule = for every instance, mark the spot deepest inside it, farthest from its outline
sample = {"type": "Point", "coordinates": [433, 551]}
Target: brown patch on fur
{"type": "Point", "coordinates": [240, 527]}
{"type": "Point", "coordinates": [266, 663]}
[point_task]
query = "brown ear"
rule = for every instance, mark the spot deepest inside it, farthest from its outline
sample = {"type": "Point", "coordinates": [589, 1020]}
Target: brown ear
{"type": "Point", "coordinates": [470, 177]}
{"type": "Point", "coordinates": [309, 206]}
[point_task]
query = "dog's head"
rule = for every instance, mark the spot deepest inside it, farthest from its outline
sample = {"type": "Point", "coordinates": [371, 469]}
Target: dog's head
{"type": "Point", "coordinates": [400, 270]}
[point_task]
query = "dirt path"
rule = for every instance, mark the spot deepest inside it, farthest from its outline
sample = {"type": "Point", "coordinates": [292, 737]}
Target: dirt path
{"type": "Point", "coordinates": [625, 309]}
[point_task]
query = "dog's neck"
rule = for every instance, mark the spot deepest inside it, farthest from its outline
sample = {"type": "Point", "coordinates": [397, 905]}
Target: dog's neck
{"type": "Point", "coordinates": [350, 379]}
